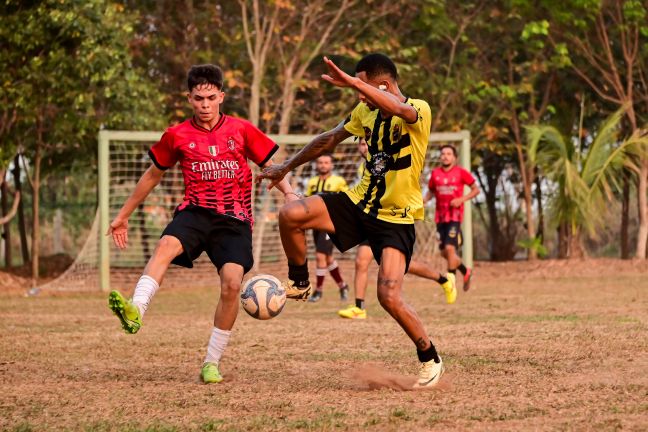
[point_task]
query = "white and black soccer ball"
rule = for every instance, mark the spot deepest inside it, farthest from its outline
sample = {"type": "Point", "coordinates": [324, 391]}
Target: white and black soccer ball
{"type": "Point", "coordinates": [263, 297]}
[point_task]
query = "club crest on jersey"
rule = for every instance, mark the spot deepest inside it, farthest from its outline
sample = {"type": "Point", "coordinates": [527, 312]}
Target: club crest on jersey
{"type": "Point", "coordinates": [231, 143]}
{"type": "Point", "coordinates": [396, 133]}
{"type": "Point", "coordinates": [213, 150]}
{"type": "Point", "coordinates": [367, 133]}
{"type": "Point", "coordinates": [379, 164]}
{"type": "Point", "coordinates": [192, 145]}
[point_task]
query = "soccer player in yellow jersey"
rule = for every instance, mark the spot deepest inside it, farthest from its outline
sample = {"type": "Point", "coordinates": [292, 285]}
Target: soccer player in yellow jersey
{"type": "Point", "coordinates": [326, 182]}
{"type": "Point", "coordinates": [382, 207]}
{"type": "Point", "coordinates": [364, 257]}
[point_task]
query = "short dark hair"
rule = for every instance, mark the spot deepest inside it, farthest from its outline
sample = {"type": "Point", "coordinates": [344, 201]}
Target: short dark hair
{"type": "Point", "coordinates": [329, 154]}
{"type": "Point", "coordinates": [204, 74]}
{"type": "Point", "coordinates": [376, 64]}
{"type": "Point", "coordinates": [451, 147]}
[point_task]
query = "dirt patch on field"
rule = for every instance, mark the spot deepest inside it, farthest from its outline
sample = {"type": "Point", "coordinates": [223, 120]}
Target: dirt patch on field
{"type": "Point", "coordinates": [530, 349]}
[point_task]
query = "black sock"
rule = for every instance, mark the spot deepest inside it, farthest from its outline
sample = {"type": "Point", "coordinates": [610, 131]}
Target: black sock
{"type": "Point", "coordinates": [360, 303]}
{"type": "Point", "coordinates": [299, 274]}
{"type": "Point", "coordinates": [442, 280]}
{"type": "Point", "coordinates": [428, 354]}
{"type": "Point", "coordinates": [462, 268]}
{"type": "Point", "coordinates": [453, 271]}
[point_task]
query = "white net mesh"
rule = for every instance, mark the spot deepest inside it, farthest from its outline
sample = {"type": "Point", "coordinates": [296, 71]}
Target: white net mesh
{"type": "Point", "coordinates": [129, 159]}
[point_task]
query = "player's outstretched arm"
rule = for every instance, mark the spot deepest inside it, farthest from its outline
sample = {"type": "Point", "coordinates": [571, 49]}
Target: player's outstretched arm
{"type": "Point", "coordinates": [321, 144]}
{"type": "Point", "coordinates": [119, 226]}
{"type": "Point", "coordinates": [284, 187]}
{"type": "Point", "coordinates": [386, 102]}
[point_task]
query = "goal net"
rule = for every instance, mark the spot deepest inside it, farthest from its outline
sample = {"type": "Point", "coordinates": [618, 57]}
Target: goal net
{"type": "Point", "coordinates": [123, 157]}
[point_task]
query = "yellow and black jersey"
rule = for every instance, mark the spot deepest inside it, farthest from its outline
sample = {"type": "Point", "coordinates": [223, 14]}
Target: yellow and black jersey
{"type": "Point", "coordinates": [362, 168]}
{"type": "Point", "coordinates": [390, 188]}
{"type": "Point", "coordinates": [333, 183]}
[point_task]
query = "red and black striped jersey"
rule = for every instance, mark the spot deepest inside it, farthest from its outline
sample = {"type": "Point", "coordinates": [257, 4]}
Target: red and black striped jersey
{"type": "Point", "coordinates": [214, 163]}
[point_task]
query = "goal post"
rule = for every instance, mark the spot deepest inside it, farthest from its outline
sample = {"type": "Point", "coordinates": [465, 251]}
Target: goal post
{"type": "Point", "coordinates": [122, 158]}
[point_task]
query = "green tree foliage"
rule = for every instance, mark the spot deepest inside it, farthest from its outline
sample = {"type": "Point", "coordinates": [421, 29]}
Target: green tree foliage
{"type": "Point", "coordinates": [585, 176]}
{"type": "Point", "coordinates": [70, 73]}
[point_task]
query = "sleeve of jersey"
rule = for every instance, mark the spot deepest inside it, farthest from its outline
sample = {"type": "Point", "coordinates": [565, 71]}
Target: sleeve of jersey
{"type": "Point", "coordinates": [467, 177]}
{"type": "Point", "coordinates": [309, 189]}
{"type": "Point", "coordinates": [353, 123]}
{"type": "Point", "coordinates": [259, 147]}
{"type": "Point", "coordinates": [431, 182]}
{"type": "Point", "coordinates": [163, 153]}
{"type": "Point", "coordinates": [423, 121]}
{"type": "Point", "coordinates": [343, 187]}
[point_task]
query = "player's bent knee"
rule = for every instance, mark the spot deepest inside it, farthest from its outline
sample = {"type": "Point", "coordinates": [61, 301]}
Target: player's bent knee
{"type": "Point", "coordinates": [389, 299]}
{"type": "Point", "coordinates": [291, 214]}
{"type": "Point", "coordinates": [169, 246]}
{"type": "Point", "coordinates": [230, 290]}
{"type": "Point", "coordinates": [361, 266]}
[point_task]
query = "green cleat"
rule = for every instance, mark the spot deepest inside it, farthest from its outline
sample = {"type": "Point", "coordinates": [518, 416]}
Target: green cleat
{"type": "Point", "coordinates": [126, 311]}
{"type": "Point", "coordinates": [210, 373]}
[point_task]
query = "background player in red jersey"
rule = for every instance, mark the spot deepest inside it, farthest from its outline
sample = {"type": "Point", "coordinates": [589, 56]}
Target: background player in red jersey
{"type": "Point", "coordinates": [447, 184]}
{"type": "Point", "coordinates": [215, 215]}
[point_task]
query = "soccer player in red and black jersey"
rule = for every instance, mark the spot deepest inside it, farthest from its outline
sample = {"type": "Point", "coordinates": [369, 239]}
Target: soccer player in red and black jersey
{"type": "Point", "coordinates": [215, 215]}
{"type": "Point", "coordinates": [447, 184]}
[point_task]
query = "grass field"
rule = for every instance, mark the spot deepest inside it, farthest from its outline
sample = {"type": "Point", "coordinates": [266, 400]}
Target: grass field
{"type": "Point", "coordinates": [524, 351]}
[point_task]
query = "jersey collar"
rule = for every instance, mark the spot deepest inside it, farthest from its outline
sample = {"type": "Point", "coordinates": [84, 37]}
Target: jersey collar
{"type": "Point", "coordinates": [220, 122]}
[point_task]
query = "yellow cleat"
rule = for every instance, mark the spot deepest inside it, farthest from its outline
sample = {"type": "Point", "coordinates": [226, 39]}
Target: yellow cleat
{"type": "Point", "coordinates": [353, 312]}
{"type": "Point", "coordinates": [450, 288]}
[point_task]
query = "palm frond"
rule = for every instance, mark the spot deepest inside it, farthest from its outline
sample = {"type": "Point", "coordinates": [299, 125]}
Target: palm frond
{"type": "Point", "coordinates": [604, 141]}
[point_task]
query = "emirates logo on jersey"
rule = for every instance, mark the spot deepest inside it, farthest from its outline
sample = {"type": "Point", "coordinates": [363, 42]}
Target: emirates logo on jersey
{"type": "Point", "coordinates": [231, 143]}
{"type": "Point", "coordinates": [213, 150]}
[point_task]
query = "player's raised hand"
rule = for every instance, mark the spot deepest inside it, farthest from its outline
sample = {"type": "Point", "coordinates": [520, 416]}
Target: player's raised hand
{"type": "Point", "coordinates": [337, 76]}
{"type": "Point", "coordinates": [119, 231]}
{"type": "Point", "coordinates": [274, 173]}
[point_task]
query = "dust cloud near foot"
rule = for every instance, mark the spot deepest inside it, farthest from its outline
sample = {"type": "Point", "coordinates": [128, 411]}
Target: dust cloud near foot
{"type": "Point", "coordinates": [371, 376]}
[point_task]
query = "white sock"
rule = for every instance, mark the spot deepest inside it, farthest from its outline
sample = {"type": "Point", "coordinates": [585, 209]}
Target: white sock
{"type": "Point", "coordinates": [144, 292]}
{"type": "Point", "coordinates": [217, 344]}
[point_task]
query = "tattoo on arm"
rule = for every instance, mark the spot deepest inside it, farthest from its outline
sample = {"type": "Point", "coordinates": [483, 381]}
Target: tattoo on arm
{"type": "Point", "coordinates": [303, 204]}
{"type": "Point", "coordinates": [320, 144]}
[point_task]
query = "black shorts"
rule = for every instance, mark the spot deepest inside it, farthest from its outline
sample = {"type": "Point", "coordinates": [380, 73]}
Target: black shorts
{"type": "Point", "coordinates": [449, 234]}
{"type": "Point", "coordinates": [224, 238]}
{"type": "Point", "coordinates": [353, 226]}
{"type": "Point", "coordinates": [323, 243]}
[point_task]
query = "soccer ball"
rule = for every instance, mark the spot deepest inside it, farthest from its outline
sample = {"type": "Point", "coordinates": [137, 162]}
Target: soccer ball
{"type": "Point", "coordinates": [263, 297]}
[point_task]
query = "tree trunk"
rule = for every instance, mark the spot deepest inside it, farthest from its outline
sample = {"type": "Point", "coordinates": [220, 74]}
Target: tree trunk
{"type": "Point", "coordinates": [540, 233]}
{"type": "Point", "coordinates": [642, 185]}
{"type": "Point", "coordinates": [563, 241]}
{"type": "Point", "coordinates": [22, 225]}
{"type": "Point", "coordinates": [6, 227]}
{"type": "Point", "coordinates": [576, 250]}
{"type": "Point", "coordinates": [255, 97]}
{"type": "Point", "coordinates": [36, 209]}
{"type": "Point", "coordinates": [287, 102]}
{"type": "Point", "coordinates": [528, 204]}
{"type": "Point", "coordinates": [625, 217]}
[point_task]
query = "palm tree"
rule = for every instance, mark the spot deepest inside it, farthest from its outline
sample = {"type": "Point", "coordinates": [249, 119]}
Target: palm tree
{"type": "Point", "coordinates": [585, 178]}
